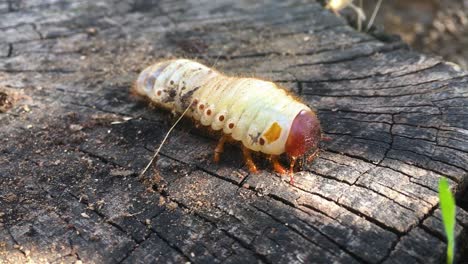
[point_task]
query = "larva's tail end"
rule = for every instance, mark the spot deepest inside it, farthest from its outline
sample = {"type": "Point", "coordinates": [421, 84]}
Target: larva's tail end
{"type": "Point", "coordinates": [134, 91]}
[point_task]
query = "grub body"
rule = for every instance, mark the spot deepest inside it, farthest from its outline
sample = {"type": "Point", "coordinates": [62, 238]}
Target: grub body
{"type": "Point", "coordinates": [255, 112]}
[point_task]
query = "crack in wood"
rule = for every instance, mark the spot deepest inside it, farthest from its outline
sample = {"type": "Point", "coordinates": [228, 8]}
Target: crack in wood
{"type": "Point", "coordinates": [356, 212]}
{"type": "Point", "coordinates": [374, 191]}
{"type": "Point", "coordinates": [377, 96]}
{"type": "Point", "coordinates": [353, 255]}
{"type": "Point", "coordinates": [400, 236]}
{"type": "Point", "coordinates": [357, 137]}
{"type": "Point", "coordinates": [374, 75]}
{"type": "Point", "coordinates": [380, 87]}
{"type": "Point", "coordinates": [103, 217]}
{"type": "Point", "coordinates": [214, 224]}
{"type": "Point", "coordinates": [18, 246]}
{"type": "Point", "coordinates": [10, 50]}
{"type": "Point", "coordinates": [434, 159]}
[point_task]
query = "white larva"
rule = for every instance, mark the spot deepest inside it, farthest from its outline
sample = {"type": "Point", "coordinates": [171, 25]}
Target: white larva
{"type": "Point", "coordinates": [338, 5]}
{"type": "Point", "coordinates": [259, 114]}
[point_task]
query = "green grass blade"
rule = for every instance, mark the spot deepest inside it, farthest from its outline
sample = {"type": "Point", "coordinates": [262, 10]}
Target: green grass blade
{"type": "Point", "coordinates": [447, 207]}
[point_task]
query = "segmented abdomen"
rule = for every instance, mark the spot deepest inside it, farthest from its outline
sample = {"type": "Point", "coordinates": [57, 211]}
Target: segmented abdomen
{"type": "Point", "coordinates": [253, 111]}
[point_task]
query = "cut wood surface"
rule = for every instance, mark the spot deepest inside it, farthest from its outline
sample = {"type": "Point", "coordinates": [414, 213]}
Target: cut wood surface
{"type": "Point", "coordinates": [73, 139]}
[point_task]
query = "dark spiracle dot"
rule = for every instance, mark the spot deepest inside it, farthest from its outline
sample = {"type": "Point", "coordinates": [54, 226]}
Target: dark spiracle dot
{"type": "Point", "coordinates": [171, 82]}
{"type": "Point", "coordinates": [221, 118]}
{"type": "Point", "coordinates": [208, 112]}
{"type": "Point", "coordinates": [172, 93]}
{"type": "Point", "coordinates": [202, 106]}
{"type": "Point", "coordinates": [262, 141]}
{"type": "Point", "coordinates": [158, 93]}
{"type": "Point", "coordinates": [231, 125]}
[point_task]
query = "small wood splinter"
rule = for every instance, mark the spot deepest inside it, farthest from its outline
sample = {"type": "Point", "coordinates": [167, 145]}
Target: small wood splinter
{"type": "Point", "coordinates": [314, 155]}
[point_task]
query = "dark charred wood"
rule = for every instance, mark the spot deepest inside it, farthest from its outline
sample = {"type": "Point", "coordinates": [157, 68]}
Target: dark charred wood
{"type": "Point", "coordinates": [73, 140]}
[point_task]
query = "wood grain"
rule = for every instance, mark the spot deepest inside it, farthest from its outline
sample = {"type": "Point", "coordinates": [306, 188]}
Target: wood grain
{"type": "Point", "coordinates": [74, 142]}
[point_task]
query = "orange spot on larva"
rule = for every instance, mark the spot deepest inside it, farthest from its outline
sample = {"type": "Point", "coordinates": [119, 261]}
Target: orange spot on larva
{"type": "Point", "coordinates": [273, 132]}
{"type": "Point", "coordinates": [221, 118]}
{"type": "Point", "coordinates": [158, 93]}
{"type": "Point", "coordinates": [231, 125]}
{"type": "Point", "coordinates": [208, 112]}
{"type": "Point", "coordinates": [195, 102]}
{"type": "Point", "coordinates": [202, 106]}
{"type": "Point", "coordinates": [262, 141]}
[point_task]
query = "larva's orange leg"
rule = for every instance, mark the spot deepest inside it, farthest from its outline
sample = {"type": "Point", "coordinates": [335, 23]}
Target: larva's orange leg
{"type": "Point", "coordinates": [291, 170]}
{"type": "Point", "coordinates": [219, 148]}
{"type": "Point", "coordinates": [277, 166]}
{"type": "Point", "coordinates": [248, 160]}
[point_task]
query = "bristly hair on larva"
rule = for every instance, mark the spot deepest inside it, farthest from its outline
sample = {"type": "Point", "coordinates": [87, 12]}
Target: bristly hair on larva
{"type": "Point", "coordinates": [337, 5]}
{"type": "Point", "coordinates": [259, 114]}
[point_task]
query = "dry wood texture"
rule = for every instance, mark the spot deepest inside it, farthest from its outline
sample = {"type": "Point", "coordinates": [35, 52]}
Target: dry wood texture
{"type": "Point", "coordinates": [70, 155]}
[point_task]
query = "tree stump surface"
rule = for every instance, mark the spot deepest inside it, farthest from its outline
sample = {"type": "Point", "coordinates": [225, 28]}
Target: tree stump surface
{"type": "Point", "coordinates": [73, 139]}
